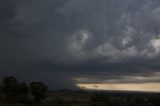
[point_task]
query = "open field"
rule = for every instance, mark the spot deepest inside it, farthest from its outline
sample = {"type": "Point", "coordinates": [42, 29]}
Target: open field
{"type": "Point", "coordinates": [83, 98]}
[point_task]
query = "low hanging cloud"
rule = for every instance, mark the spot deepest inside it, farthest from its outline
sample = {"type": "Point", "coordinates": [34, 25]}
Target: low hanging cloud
{"type": "Point", "coordinates": [80, 37]}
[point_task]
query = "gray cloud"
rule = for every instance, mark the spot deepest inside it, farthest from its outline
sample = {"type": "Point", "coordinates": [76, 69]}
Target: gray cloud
{"type": "Point", "coordinates": [79, 38]}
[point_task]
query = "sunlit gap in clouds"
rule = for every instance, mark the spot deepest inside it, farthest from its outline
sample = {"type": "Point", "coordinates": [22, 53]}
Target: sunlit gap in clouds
{"type": "Point", "coordinates": [153, 87]}
{"type": "Point", "coordinates": [124, 83]}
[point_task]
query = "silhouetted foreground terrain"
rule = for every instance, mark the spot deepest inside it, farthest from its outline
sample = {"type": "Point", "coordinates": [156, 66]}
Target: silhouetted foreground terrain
{"type": "Point", "coordinates": [15, 93]}
{"type": "Point", "coordinates": [82, 98]}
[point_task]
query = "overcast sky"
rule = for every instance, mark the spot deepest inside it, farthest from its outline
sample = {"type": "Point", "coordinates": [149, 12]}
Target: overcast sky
{"type": "Point", "coordinates": [65, 42]}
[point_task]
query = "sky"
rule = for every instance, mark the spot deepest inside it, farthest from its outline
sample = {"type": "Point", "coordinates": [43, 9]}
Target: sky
{"type": "Point", "coordinates": [67, 43]}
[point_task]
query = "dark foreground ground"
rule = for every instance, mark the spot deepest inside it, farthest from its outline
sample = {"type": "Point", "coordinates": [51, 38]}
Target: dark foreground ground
{"type": "Point", "coordinates": [83, 98]}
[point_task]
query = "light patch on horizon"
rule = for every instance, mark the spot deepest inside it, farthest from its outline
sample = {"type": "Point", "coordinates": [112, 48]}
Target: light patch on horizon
{"type": "Point", "coordinates": [152, 87]}
{"type": "Point", "coordinates": [124, 83]}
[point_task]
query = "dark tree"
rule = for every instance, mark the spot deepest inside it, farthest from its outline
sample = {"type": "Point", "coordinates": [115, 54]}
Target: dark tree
{"type": "Point", "coordinates": [9, 87]}
{"type": "Point", "coordinates": [38, 90]}
{"type": "Point", "coordinates": [22, 91]}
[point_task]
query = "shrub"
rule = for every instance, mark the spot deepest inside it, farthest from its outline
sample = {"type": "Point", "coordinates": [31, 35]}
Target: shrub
{"type": "Point", "coordinates": [38, 89]}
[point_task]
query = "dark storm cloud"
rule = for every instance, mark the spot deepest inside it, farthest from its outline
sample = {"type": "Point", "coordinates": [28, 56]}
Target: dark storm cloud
{"type": "Point", "coordinates": [80, 38]}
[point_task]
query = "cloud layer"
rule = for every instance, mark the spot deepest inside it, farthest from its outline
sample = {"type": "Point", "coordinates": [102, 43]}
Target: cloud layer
{"type": "Point", "coordinates": [80, 38]}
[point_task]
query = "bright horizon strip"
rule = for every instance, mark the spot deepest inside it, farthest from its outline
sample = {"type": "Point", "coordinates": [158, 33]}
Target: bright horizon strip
{"type": "Point", "coordinates": [151, 87]}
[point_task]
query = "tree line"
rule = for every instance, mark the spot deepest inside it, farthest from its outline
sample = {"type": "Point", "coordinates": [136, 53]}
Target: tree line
{"type": "Point", "coordinates": [14, 91]}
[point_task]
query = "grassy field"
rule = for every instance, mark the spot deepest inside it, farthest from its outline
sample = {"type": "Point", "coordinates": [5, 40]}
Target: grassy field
{"type": "Point", "coordinates": [82, 98]}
